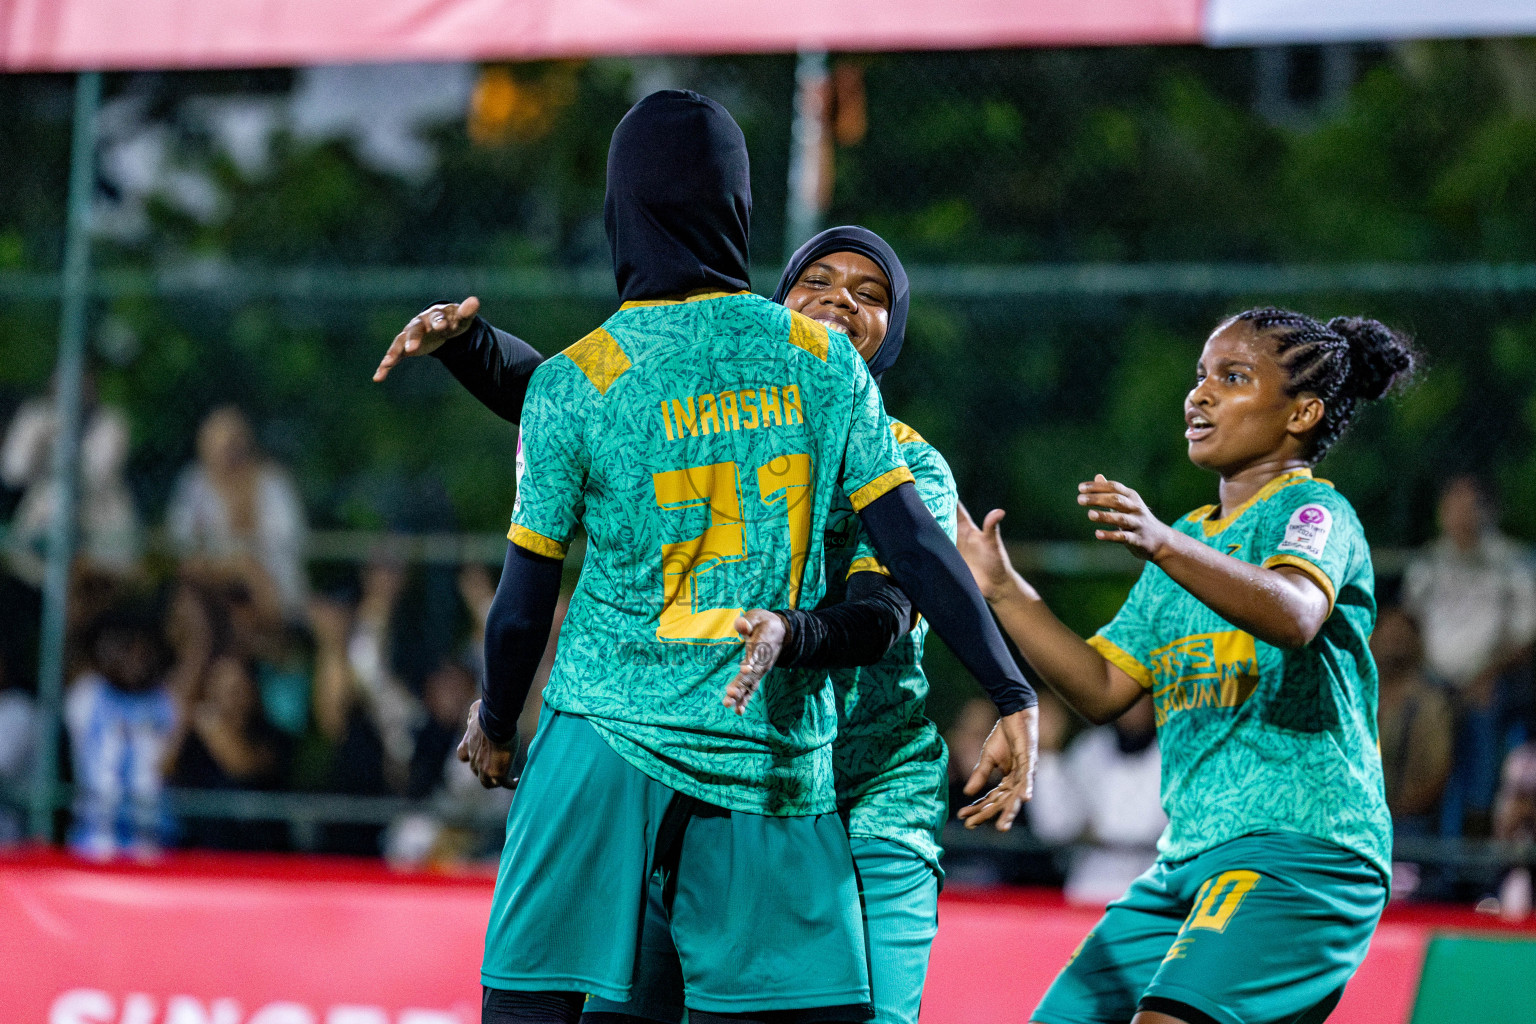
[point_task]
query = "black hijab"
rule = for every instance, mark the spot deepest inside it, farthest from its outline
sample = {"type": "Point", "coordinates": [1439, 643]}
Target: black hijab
{"type": "Point", "coordinates": [679, 198]}
{"type": "Point", "coordinates": [868, 244]}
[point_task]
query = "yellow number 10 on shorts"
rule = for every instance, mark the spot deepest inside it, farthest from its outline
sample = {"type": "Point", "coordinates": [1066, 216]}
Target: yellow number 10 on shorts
{"type": "Point", "coordinates": [1219, 898]}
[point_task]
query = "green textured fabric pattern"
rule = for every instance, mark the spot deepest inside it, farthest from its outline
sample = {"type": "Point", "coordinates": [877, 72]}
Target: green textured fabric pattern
{"type": "Point", "coordinates": [889, 760]}
{"type": "Point", "coordinates": [1254, 737]}
{"type": "Point", "coordinates": [701, 445]}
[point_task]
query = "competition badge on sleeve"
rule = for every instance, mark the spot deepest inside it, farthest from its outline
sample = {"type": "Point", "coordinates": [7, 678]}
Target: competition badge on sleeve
{"type": "Point", "coordinates": [1307, 532]}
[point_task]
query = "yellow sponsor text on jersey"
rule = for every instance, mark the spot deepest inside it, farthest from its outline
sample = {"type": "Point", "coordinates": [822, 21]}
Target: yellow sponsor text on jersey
{"type": "Point", "coordinates": [718, 412]}
{"type": "Point", "coordinates": [1209, 670]}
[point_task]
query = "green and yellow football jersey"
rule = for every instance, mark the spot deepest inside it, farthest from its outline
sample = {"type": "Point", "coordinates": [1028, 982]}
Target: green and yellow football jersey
{"type": "Point", "coordinates": [889, 761]}
{"type": "Point", "coordinates": [700, 444]}
{"type": "Point", "coordinates": [1255, 737]}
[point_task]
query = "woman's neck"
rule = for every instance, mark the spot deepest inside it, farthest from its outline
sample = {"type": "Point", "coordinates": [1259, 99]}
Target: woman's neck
{"type": "Point", "coordinates": [1238, 488]}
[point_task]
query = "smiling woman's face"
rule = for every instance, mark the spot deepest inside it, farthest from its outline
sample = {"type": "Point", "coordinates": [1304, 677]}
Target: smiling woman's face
{"type": "Point", "coordinates": [849, 293]}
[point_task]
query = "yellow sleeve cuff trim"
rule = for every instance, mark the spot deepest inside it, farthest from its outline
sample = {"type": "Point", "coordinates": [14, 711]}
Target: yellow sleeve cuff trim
{"type": "Point", "coordinates": [868, 565]}
{"type": "Point", "coordinates": [535, 542]}
{"type": "Point", "coordinates": [879, 487]}
{"type": "Point", "coordinates": [1310, 570]}
{"type": "Point", "coordinates": [905, 434]}
{"type": "Point", "coordinates": [1121, 660]}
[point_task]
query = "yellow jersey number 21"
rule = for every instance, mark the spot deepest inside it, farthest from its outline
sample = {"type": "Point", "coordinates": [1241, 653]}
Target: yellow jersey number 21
{"type": "Point", "coordinates": [785, 481]}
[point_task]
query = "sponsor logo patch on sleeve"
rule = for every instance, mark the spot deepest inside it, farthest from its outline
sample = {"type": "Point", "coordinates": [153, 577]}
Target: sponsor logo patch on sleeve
{"type": "Point", "coordinates": [1307, 532]}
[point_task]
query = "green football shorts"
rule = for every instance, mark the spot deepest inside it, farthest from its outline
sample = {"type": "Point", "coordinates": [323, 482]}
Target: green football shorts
{"type": "Point", "coordinates": [764, 910]}
{"type": "Point", "coordinates": [900, 894]}
{"type": "Point", "coordinates": [1263, 929]}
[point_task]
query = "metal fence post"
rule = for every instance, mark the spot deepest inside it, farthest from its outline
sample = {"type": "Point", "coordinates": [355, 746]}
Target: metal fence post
{"type": "Point", "coordinates": [809, 155]}
{"type": "Point", "coordinates": [74, 293]}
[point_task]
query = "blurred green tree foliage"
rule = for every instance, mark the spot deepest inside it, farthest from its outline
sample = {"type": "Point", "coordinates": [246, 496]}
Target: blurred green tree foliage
{"type": "Point", "coordinates": [1131, 154]}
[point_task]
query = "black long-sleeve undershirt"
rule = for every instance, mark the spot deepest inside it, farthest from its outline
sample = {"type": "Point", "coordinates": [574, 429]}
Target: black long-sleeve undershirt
{"type": "Point", "coordinates": [925, 563]}
{"type": "Point", "coordinates": [516, 632]}
{"type": "Point", "coordinates": [858, 630]}
{"type": "Point", "coordinates": [493, 365]}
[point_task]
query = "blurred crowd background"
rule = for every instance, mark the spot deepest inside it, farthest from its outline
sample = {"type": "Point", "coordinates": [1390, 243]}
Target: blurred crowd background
{"type": "Point", "coordinates": [283, 568]}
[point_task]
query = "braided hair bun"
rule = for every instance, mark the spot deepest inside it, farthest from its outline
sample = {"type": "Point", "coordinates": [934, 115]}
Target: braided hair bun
{"type": "Point", "coordinates": [1379, 357]}
{"type": "Point", "coordinates": [1344, 362]}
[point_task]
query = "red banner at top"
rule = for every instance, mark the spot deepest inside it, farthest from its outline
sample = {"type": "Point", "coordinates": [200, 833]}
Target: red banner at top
{"type": "Point", "coordinates": [37, 35]}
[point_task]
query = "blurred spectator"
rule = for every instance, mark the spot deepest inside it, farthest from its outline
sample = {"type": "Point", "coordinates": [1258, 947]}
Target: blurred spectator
{"type": "Point", "coordinates": [447, 695]}
{"type": "Point", "coordinates": [1414, 721]}
{"type": "Point", "coordinates": [354, 757]}
{"type": "Point", "coordinates": [240, 514]}
{"type": "Point", "coordinates": [446, 833]}
{"type": "Point", "coordinates": [1103, 794]}
{"type": "Point", "coordinates": [477, 589]}
{"type": "Point", "coordinates": [120, 719]}
{"type": "Point", "coordinates": [283, 679]}
{"type": "Point", "coordinates": [1473, 593]}
{"type": "Point", "coordinates": [110, 536]}
{"type": "Point", "coordinates": [396, 713]}
{"type": "Point", "coordinates": [224, 741]}
{"type": "Point", "coordinates": [1515, 821]}
{"type": "Point", "coordinates": [18, 717]}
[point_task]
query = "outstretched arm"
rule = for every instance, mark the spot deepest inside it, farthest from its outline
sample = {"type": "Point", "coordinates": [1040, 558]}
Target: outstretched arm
{"type": "Point", "coordinates": [493, 365]}
{"type": "Point", "coordinates": [516, 632]}
{"type": "Point", "coordinates": [929, 569]}
{"type": "Point", "coordinates": [1099, 691]}
{"type": "Point", "coordinates": [1282, 606]}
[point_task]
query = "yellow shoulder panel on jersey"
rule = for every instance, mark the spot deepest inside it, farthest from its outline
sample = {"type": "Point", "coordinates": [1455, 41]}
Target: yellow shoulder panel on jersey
{"type": "Point", "coordinates": [600, 358]}
{"type": "Point", "coordinates": [808, 334]}
{"type": "Point", "coordinates": [905, 434]}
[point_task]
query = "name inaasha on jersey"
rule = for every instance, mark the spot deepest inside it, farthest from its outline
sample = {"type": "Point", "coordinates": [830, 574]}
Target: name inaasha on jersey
{"type": "Point", "coordinates": [750, 409]}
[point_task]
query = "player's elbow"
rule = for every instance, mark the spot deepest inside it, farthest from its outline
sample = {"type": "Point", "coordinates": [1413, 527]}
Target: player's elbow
{"type": "Point", "coordinates": [1098, 714]}
{"type": "Point", "coordinates": [1295, 631]}
{"type": "Point", "coordinates": [512, 624]}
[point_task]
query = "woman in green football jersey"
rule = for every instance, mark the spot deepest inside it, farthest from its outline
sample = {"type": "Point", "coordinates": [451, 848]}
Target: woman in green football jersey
{"type": "Point", "coordinates": [1249, 626]}
{"type": "Point", "coordinates": [888, 758]}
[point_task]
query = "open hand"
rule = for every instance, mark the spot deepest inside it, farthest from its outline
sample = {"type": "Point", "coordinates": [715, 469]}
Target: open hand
{"type": "Point", "coordinates": [1012, 749]}
{"type": "Point", "coordinates": [1124, 516]}
{"type": "Point", "coordinates": [764, 632]}
{"type": "Point", "coordinates": [426, 332]}
{"type": "Point", "coordinates": [983, 551]}
{"type": "Point", "coordinates": [491, 764]}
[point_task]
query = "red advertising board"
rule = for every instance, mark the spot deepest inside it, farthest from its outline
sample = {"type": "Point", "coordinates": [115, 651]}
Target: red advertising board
{"type": "Point", "coordinates": [242, 940]}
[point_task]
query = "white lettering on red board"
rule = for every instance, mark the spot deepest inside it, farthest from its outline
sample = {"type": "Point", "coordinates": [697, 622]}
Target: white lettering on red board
{"type": "Point", "coordinates": [92, 1006]}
